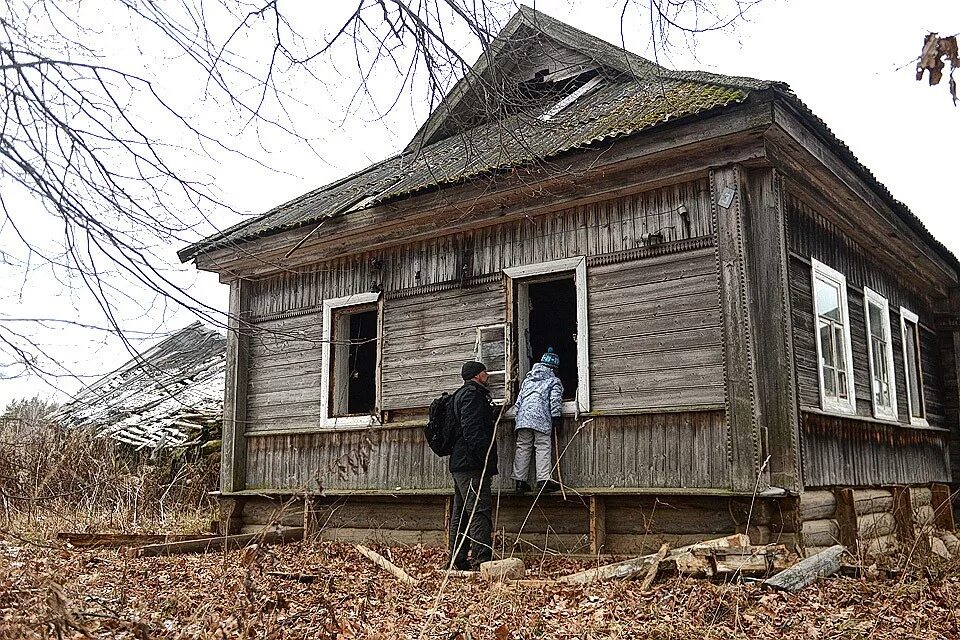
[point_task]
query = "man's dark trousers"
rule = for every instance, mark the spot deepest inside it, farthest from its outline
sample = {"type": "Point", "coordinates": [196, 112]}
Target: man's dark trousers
{"type": "Point", "coordinates": [469, 490]}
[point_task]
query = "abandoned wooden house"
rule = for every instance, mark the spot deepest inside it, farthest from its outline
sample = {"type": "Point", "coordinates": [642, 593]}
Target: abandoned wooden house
{"type": "Point", "coordinates": [754, 333]}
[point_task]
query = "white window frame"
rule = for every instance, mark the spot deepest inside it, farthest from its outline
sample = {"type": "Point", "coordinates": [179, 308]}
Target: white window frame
{"type": "Point", "coordinates": [872, 297]}
{"type": "Point", "coordinates": [578, 267]}
{"type": "Point", "coordinates": [326, 420]}
{"type": "Point", "coordinates": [836, 405]}
{"type": "Point", "coordinates": [909, 316]}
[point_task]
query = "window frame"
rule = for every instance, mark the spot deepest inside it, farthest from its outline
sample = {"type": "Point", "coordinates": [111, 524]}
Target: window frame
{"type": "Point", "coordinates": [578, 267]}
{"type": "Point", "coordinates": [329, 305]}
{"type": "Point", "coordinates": [883, 413]}
{"type": "Point", "coordinates": [820, 270]}
{"type": "Point", "coordinates": [909, 316]}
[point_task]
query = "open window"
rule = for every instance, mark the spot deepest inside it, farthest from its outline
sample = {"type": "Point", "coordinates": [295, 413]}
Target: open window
{"type": "Point", "coordinates": [880, 351]}
{"type": "Point", "coordinates": [910, 330]}
{"type": "Point", "coordinates": [351, 348]}
{"type": "Point", "coordinates": [834, 353]}
{"type": "Point", "coordinates": [551, 311]}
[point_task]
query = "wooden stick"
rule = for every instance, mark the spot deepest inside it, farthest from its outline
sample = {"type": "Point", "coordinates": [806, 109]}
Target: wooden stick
{"type": "Point", "coordinates": [654, 567]}
{"type": "Point", "coordinates": [216, 544]}
{"type": "Point", "coordinates": [556, 454]}
{"type": "Point", "coordinates": [388, 566]}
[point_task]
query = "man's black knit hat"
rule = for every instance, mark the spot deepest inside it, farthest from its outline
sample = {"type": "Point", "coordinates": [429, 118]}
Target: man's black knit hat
{"type": "Point", "coordinates": [471, 369]}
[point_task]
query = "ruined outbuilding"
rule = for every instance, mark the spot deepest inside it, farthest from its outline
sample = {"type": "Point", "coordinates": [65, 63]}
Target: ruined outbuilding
{"type": "Point", "coordinates": [168, 396]}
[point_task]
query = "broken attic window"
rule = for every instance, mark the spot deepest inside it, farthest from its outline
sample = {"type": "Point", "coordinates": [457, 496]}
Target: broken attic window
{"type": "Point", "coordinates": [570, 98]}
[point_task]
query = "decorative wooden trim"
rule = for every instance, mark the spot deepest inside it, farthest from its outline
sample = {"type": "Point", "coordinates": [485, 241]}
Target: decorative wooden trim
{"type": "Point", "coordinates": [233, 463]}
{"type": "Point", "coordinates": [283, 315]}
{"type": "Point", "coordinates": [727, 188]}
{"type": "Point", "coordinates": [442, 286]}
{"type": "Point", "coordinates": [666, 248]}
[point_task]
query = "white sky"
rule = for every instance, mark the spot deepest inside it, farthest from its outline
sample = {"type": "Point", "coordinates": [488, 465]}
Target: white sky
{"type": "Point", "coordinates": [851, 62]}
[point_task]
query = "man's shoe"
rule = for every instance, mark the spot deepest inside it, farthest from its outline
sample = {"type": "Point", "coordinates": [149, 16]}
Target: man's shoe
{"type": "Point", "coordinates": [548, 486]}
{"type": "Point", "coordinates": [523, 487]}
{"type": "Point", "coordinates": [463, 565]}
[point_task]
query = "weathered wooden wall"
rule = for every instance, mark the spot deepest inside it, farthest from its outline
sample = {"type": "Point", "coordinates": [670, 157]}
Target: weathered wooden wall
{"type": "Point", "coordinates": [811, 236]}
{"type": "Point", "coordinates": [842, 451]}
{"type": "Point", "coordinates": [655, 337]}
{"type": "Point", "coordinates": [676, 450]}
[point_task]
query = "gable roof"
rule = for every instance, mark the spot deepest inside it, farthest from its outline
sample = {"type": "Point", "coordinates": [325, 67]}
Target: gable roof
{"type": "Point", "coordinates": [633, 95]}
{"type": "Point", "coordinates": [164, 397]}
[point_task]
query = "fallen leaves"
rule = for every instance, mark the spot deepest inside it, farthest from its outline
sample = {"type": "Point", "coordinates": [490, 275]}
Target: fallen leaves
{"type": "Point", "coordinates": [250, 594]}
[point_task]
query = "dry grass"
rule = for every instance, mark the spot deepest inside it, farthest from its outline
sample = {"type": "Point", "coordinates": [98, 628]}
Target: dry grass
{"type": "Point", "coordinates": [54, 480]}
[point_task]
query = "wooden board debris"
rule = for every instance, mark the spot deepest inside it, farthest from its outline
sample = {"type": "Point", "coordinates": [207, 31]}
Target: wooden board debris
{"type": "Point", "coordinates": [219, 543]}
{"type": "Point", "coordinates": [808, 571]}
{"type": "Point", "coordinates": [126, 539]}
{"type": "Point", "coordinates": [628, 569]}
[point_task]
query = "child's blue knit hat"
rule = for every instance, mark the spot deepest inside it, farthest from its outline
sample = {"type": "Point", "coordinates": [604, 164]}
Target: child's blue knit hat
{"type": "Point", "coordinates": [550, 359]}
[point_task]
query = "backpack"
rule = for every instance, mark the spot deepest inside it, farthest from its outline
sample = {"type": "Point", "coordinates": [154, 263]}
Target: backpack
{"type": "Point", "coordinates": [441, 428]}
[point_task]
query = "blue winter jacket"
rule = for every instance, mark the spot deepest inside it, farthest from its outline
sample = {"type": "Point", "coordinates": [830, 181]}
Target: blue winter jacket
{"type": "Point", "coordinates": [539, 400]}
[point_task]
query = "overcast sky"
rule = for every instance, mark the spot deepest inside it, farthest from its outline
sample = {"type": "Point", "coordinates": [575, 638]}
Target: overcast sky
{"type": "Point", "coordinates": [851, 62]}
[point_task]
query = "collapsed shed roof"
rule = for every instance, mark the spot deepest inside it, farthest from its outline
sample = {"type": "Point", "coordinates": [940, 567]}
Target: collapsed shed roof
{"type": "Point", "coordinates": [165, 397]}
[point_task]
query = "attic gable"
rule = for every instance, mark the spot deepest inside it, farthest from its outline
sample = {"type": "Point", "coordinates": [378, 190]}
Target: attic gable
{"type": "Point", "coordinates": [534, 61]}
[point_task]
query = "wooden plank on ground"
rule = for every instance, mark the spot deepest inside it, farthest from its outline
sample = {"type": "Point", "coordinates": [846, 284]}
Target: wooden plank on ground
{"type": "Point", "coordinates": [126, 539]}
{"type": "Point", "coordinates": [218, 543]}
{"type": "Point", "coordinates": [387, 566]}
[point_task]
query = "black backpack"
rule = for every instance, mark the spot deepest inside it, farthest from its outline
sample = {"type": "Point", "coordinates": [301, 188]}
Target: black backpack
{"type": "Point", "coordinates": [441, 429]}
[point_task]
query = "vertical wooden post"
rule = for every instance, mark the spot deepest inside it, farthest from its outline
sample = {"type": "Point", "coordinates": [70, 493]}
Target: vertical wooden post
{"type": "Point", "coordinates": [598, 524]}
{"type": "Point", "coordinates": [765, 230]}
{"type": "Point", "coordinates": [310, 527]}
{"type": "Point", "coordinates": [903, 514]}
{"type": "Point", "coordinates": [743, 443]}
{"type": "Point", "coordinates": [847, 519]}
{"type": "Point", "coordinates": [942, 507]}
{"type": "Point", "coordinates": [231, 510]}
{"type": "Point", "coordinates": [233, 447]}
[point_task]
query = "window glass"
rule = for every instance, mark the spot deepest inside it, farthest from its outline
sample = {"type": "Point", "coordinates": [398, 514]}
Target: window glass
{"type": "Point", "coordinates": [833, 339]}
{"type": "Point", "coordinates": [912, 356]}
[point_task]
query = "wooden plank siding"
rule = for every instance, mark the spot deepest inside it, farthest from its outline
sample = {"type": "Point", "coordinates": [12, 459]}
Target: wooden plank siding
{"type": "Point", "coordinates": [811, 236]}
{"type": "Point", "coordinates": [860, 450]}
{"type": "Point", "coordinates": [655, 333]}
{"type": "Point", "coordinates": [677, 450]}
{"type": "Point", "coordinates": [426, 339]}
{"type": "Point", "coordinates": [842, 451]}
{"type": "Point", "coordinates": [655, 344]}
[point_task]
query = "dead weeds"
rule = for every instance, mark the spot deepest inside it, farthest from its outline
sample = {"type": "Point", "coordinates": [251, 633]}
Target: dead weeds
{"type": "Point", "coordinates": [64, 593]}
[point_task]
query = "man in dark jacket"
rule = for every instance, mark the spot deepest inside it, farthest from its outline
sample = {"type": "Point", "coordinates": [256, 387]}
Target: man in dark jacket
{"type": "Point", "coordinates": [472, 463]}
